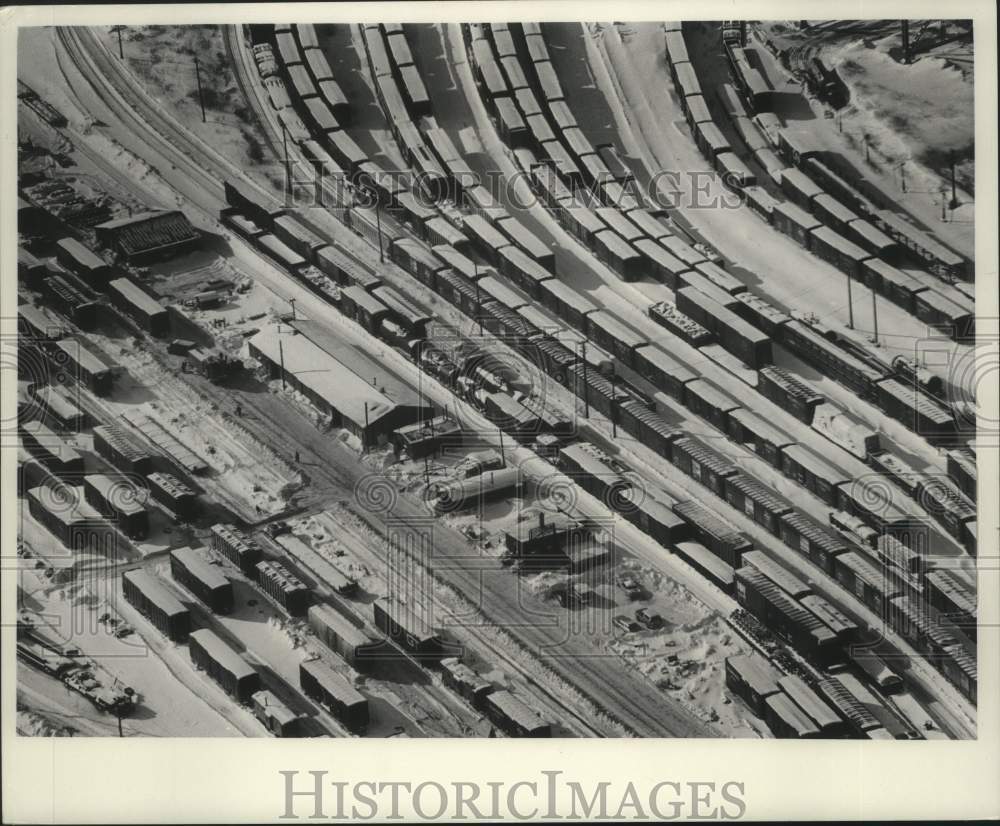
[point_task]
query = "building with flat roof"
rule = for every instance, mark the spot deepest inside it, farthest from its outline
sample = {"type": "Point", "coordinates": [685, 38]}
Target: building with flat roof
{"type": "Point", "coordinates": [354, 390]}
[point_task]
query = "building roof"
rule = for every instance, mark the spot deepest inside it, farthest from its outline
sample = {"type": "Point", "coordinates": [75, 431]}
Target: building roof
{"type": "Point", "coordinates": [150, 231]}
{"type": "Point", "coordinates": [326, 376]}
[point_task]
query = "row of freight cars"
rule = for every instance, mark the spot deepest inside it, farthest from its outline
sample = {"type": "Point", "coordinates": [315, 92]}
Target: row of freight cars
{"type": "Point", "coordinates": [793, 709]}
{"type": "Point", "coordinates": [813, 218]}
{"type": "Point", "coordinates": [875, 575]}
{"type": "Point", "coordinates": [466, 296]}
{"type": "Point", "coordinates": [680, 266]}
{"type": "Point", "coordinates": [211, 654]}
{"type": "Point", "coordinates": [850, 190]}
{"type": "Point", "coordinates": [499, 310]}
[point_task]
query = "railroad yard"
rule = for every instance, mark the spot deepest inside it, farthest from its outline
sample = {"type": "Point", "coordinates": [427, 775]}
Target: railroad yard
{"type": "Point", "coordinates": [497, 380]}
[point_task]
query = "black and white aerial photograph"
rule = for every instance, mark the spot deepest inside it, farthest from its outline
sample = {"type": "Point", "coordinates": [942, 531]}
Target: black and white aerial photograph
{"type": "Point", "coordinates": [497, 380]}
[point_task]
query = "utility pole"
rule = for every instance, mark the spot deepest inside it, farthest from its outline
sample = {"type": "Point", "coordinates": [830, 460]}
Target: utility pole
{"type": "Point", "coordinates": [479, 303]}
{"type": "Point", "coordinates": [902, 175]}
{"type": "Point", "coordinates": [614, 407]}
{"type": "Point", "coordinates": [850, 303]}
{"type": "Point", "coordinates": [364, 437]}
{"type": "Point", "coordinates": [378, 226]}
{"type": "Point", "coordinates": [954, 191]}
{"type": "Point", "coordinates": [288, 169]}
{"type": "Point", "coordinates": [201, 96]}
{"type": "Point", "coordinates": [292, 302]}
{"type": "Point", "coordinates": [875, 314]}
{"type": "Point", "coordinates": [586, 391]}
{"type": "Point", "coordinates": [281, 356]}
{"type": "Point", "coordinates": [503, 456]}
{"type": "Point", "coordinates": [121, 50]}
{"type": "Point", "coordinates": [944, 194]}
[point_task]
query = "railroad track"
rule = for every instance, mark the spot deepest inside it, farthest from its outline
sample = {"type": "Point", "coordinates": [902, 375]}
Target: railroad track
{"type": "Point", "coordinates": [186, 164]}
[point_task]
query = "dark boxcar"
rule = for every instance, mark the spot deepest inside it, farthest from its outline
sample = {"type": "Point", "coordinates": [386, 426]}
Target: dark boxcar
{"type": "Point", "coordinates": [157, 604]}
{"type": "Point", "coordinates": [236, 676]}
{"type": "Point", "coordinates": [202, 579]}
{"type": "Point", "coordinates": [789, 392]}
{"type": "Point", "coordinates": [320, 682]}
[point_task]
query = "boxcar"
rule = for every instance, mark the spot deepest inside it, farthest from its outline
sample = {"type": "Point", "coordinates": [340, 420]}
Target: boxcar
{"type": "Point", "coordinates": [566, 302]}
{"type": "Point", "coordinates": [658, 366]}
{"type": "Point", "coordinates": [710, 402]}
{"type": "Point", "coordinates": [332, 691]}
{"type": "Point", "coordinates": [619, 256]}
{"type": "Point", "coordinates": [113, 443]}
{"type": "Point", "coordinates": [232, 544]}
{"type": "Point", "coordinates": [767, 440]}
{"type": "Point", "coordinates": [812, 539]}
{"type": "Point", "coordinates": [236, 676]}
{"type": "Point", "coordinates": [795, 222]}
{"type": "Point", "coordinates": [942, 312]}
{"type": "Point", "coordinates": [786, 720]}
{"type": "Point", "coordinates": [513, 717]}
{"type": "Point", "coordinates": [202, 579]}
{"type": "Point", "coordinates": [89, 369]}
{"type": "Point", "coordinates": [734, 173]}
{"type": "Point", "coordinates": [117, 499]}
{"type": "Point", "coordinates": [789, 392]}
{"type": "Point", "coordinates": [743, 340]}
{"type": "Point", "coordinates": [813, 473]}
{"type": "Point", "coordinates": [661, 264]}
{"type": "Point", "coordinates": [157, 604]}
{"type": "Point", "coordinates": [173, 494]}
{"type": "Point", "coordinates": [757, 501]}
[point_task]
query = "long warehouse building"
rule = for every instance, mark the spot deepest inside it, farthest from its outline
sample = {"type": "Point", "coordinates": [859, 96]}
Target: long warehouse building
{"type": "Point", "coordinates": [337, 385]}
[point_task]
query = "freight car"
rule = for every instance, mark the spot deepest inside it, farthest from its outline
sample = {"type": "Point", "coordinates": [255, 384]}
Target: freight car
{"type": "Point", "coordinates": [962, 471]}
{"type": "Point", "coordinates": [794, 221]}
{"type": "Point", "coordinates": [811, 539]}
{"type": "Point", "coordinates": [807, 342]}
{"type": "Point", "coordinates": [721, 538]}
{"type": "Point", "coordinates": [767, 441]}
{"type": "Point", "coordinates": [290, 592]}
{"type": "Point", "coordinates": [887, 681]}
{"type": "Point", "coordinates": [753, 679]}
{"type": "Point", "coordinates": [786, 720]}
{"type": "Point", "coordinates": [139, 305]}
{"type": "Point", "coordinates": [813, 473]}
{"type": "Point", "coordinates": [116, 498]}
{"type": "Point", "coordinates": [941, 312]}
{"type": "Point", "coordinates": [785, 617]}
{"type": "Point", "coordinates": [275, 716]}
{"type": "Point", "coordinates": [523, 270]}
{"type": "Point", "coordinates": [708, 565]}
{"type": "Point", "coordinates": [777, 573]}
{"type": "Point", "coordinates": [54, 452]}
{"type": "Point", "coordinates": [71, 355]}
{"type": "Point", "coordinates": [668, 374]}
{"type": "Point", "coordinates": [409, 628]}
{"type": "Point", "coordinates": [173, 494]}
{"type": "Point", "coordinates": [702, 464]}
{"type": "Point", "coordinates": [234, 546]}
{"type": "Point", "coordinates": [73, 255]}
{"type": "Point", "coordinates": [788, 392]}
{"type": "Point", "coordinates": [113, 443]}
{"type": "Point", "coordinates": [875, 587]}
{"type": "Point", "coordinates": [618, 255]}
{"type": "Point", "coordinates": [157, 604]}
{"type": "Point", "coordinates": [345, 637]}
{"type": "Point", "coordinates": [747, 343]}
{"type": "Point", "coordinates": [610, 334]}
{"type": "Point", "coordinates": [757, 501]}
{"type": "Point", "coordinates": [335, 694]}
{"type": "Point", "coordinates": [919, 412]}
{"type": "Point", "coordinates": [202, 579]}
{"type": "Point", "coordinates": [848, 706]}
{"type": "Point", "coordinates": [710, 402]}
{"type": "Point", "coordinates": [899, 287]}
{"type": "Point", "coordinates": [465, 682]}
{"type": "Point", "coordinates": [72, 298]}
{"type": "Point", "coordinates": [838, 251]}
{"type": "Point", "coordinates": [364, 308]}
{"type": "Point", "coordinates": [566, 303]}
{"type": "Point", "coordinates": [236, 677]}
{"type": "Point", "coordinates": [513, 717]}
